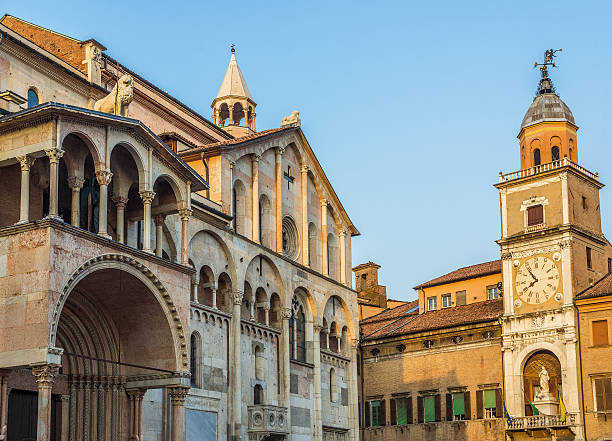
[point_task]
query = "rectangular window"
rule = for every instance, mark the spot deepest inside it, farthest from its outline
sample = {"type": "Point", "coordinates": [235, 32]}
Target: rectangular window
{"type": "Point", "coordinates": [458, 406]}
{"type": "Point", "coordinates": [432, 303]}
{"type": "Point", "coordinates": [460, 298]}
{"type": "Point", "coordinates": [489, 403]}
{"type": "Point", "coordinates": [535, 215]}
{"type": "Point", "coordinates": [446, 301]}
{"type": "Point", "coordinates": [600, 332]}
{"type": "Point", "coordinates": [429, 403]}
{"type": "Point", "coordinates": [609, 265]}
{"type": "Point", "coordinates": [492, 292]}
{"type": "Point", "coordinates": [603, 394]}
{"type": "Point", "coordinates": [375, 407]}
{"type": "Point", "coordinates": [584, 202]}
{"type": "Point", "coordinates": [589, 260]}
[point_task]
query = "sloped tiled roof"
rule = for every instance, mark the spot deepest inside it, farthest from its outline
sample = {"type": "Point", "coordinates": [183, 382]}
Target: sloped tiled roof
{"type": "Point", "coordinates": [66, 48]}
{"type": "Point", "coordinates": [468, 272]}
{"type": "Point", "coordinates": [603, 287]}
{"type": "Point", "coordinates": [409, 323]}
{"type": "Point", "coordinates": [234, 141]}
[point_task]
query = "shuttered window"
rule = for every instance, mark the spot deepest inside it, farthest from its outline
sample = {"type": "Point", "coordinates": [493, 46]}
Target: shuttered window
{"type": "Point", "coordinates": [430, 409]}
{"type": "Point", "coordinates": [490, 403]}
{"type": "Point", "coordinates": [375, 406]}
{"type": "Point", "coordinates": [603, 394]}
{"type": "Point", "coordinates": [460, 298]}
{"type": "Point", "coordinates": [600, 332]}
{"type": "Point", "coordinates": [458, 406]}
{"type": "Point", "coordinates": [535, 215]}
{"type": "Point", "coordinates": [401, 411]}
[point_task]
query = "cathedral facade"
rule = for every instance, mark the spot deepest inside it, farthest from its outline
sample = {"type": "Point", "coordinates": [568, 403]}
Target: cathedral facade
{"type": "Point", "coordinates": [516, 348]}
{"type": "Point", "coordinates": [163, 276]}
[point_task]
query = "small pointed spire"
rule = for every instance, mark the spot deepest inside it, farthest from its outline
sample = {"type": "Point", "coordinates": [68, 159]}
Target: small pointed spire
{"type": "Point", "coordinates": [233, 83]}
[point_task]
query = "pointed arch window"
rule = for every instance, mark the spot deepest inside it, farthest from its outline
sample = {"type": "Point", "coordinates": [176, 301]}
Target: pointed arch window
{"type": "Point", "coordinates": [297, 331]}
{"type": "Point", "coordinates": [195, 360]}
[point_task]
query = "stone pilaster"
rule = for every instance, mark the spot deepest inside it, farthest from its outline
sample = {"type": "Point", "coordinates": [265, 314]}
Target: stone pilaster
{"type": "Point", "coordinates": [177, 398]}
{"type": "Point", "coordinates": [26, 163]}
{"type": "Point", "coordinates": [185, 214]}
{"type": "Point", "coordinates": [147, 197]}
{"type": "Point", "coordinates": [45, 377]}
{"type": "Point", "coordinates": [104, 178]}
{"type": "Point", "coordinates": [54, 154]}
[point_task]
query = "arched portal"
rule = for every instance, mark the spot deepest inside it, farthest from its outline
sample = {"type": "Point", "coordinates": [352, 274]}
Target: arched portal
{"type": "Point", "coordinates": [118, 337]}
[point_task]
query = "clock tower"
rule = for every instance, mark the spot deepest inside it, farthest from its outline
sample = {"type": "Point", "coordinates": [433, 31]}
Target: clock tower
{"type": "Point", "coordinates": [552, 247]}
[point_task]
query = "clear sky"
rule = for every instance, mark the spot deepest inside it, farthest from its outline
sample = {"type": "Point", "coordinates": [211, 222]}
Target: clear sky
{"type": "Point", "coordinates": [411, 107]}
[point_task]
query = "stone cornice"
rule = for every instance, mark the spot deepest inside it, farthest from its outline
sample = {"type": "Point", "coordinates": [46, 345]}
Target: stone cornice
{"type": "Point", "coordinates": [68, 228]}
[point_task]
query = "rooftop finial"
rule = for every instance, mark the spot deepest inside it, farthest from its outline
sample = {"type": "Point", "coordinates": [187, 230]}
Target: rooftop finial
{"type": "Point", "coordinates": [549, 56]}
{"type": "Point", "coordinates": [546, 85]}
{"type": "Point", "coordinates": [233, 48]}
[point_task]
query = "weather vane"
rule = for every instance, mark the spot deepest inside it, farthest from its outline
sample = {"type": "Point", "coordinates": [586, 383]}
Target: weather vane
{"type": "Point", "coordinates": [233, 48]}
{"type": "Point", "coordinates": [549, 56]}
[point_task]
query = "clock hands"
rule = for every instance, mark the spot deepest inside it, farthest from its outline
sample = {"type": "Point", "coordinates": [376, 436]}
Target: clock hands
{"type": "Point", "coordinates": [534, 277]}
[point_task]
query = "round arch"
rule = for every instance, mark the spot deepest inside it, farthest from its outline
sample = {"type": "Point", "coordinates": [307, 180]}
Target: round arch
{"type": "Point", "coordinates": [138, 159]}
{"type": "Point", "coordinates": [135, 269]}
{"type": "Point", "coordinates": [179, 192]}
{"type": "Point", "coordinates": [91, 147]}
{"type": "Point", "coordinates": [352, 333]}
{"type": "Point", "coordinates": [231, 266]}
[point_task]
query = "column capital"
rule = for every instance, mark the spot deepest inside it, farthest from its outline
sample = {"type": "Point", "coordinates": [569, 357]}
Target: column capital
{"type": "Point", "coordinates": [237, 297]}
{"type": "Point", "coordinates": [76, 182]}
{"type": "Point", "coordinates": [45, 374]}
{"type": "Point", "coordinates": [54, 154]}
{"type": "Point", "coordinates": [104, 177]}
{"type": "Point", "coordinates": [323, 202]}
{"type": "Point", "coordinates": [286, 313]}
{"type": "Point", "coordinates": [231, 164]}
{"type": "Point", "coordinates": [178, 394]}
{"type": "Point", "coordinates": [159, 219]}
{"type": "Point", "coordinates": [304, 168]}
{"type": "Point", "coordinates": [120, 201]}
{"type": "Point", "coordinates": [185, 213]}
{"type": "Point", "coordinates": [135, 394]}
{"type": "Point", "coordinates": [342, 232]}
{"type": "Point", "coordinates": [147, 196]}
{"type": "Point", "coordinates": [255, 157]}
{"type": "Point", "coordinates": [279, 151]}
{"type": "Point", "coordinates": [25, 161]}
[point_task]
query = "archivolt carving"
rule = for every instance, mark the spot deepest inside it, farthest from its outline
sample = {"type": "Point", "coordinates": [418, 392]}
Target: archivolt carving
{"type": "Point", "coordinates": [86, 269]}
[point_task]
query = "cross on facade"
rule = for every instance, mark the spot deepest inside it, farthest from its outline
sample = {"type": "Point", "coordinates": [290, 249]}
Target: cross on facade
{"type": "Point", "coordinates": [288, 177]}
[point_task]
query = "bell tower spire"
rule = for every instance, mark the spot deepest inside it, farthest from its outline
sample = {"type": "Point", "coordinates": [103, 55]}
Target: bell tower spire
{"type": "Point", "coordinates": [234, 108]}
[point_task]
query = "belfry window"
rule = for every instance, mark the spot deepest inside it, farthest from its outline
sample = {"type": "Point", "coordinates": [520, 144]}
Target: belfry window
{"type": "Point", "coordinates": [555, 153]}
{"type": "Point", "coordinates": [535, 215]}
{"type": "Point", "coordinates": [536, 157]}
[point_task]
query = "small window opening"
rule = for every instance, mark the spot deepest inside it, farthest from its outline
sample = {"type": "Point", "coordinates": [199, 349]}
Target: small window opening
{"type": "Point", "coordinates": [535, 215]}
{"type": "Point", "coordinates": [32, 98]}
{"type": "Point", "coordinates": [555, 153]}
{"type": "Point", "coordinates": [589, 257]}
{"type": "Point", "coordinates": [536, 157]}
{"type": "Point", "coordinates": [584, 202]}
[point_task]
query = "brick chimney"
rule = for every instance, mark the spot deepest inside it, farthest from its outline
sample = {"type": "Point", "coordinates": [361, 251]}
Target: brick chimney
{"type": "Point", "coordinates": [366, 283]}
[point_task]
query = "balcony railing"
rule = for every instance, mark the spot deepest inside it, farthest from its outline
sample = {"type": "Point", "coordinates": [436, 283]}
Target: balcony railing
{"type": "Point", "coordinates": [541, 422]}
{"type": "Point", "coordinates": [267, 420]}
{"type": "Point", "coordinates": [532, 171]}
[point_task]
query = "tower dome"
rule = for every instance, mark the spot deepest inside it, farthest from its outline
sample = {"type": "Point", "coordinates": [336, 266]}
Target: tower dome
{"type": "Point", "coordinates": [234, 103]}
{"type": "Point", "coordinates": [547, 106]}
{"type": "Point", "coordinates": [548, 131]}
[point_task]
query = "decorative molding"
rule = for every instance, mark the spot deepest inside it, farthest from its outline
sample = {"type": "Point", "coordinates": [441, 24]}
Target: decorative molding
{"type": "Point", "coordinates": [25, 161]}
{"type": "Point", "coordinates": [147, 196]}
{"type": "Point", "coordinates": [45, 375]}
{"type": "Point", "coordinates": [104, 177]}
{"type": "Point", "coordinates": [177, 395]}
{"type": "Point", "coordinates": [237, 297]}
{"type": "Point", "coordinates": [54, 154]}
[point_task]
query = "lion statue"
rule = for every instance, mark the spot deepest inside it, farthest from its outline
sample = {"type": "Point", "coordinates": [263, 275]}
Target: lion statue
{"type": "Point", "coordinates": [118, 101]}
{"type": "Point", "coordinates": [293, 119]}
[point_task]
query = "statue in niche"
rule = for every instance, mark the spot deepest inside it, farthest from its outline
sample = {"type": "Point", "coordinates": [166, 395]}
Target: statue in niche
{"type": "Point", "coordinates": [544, 380]}
{"type": "Point", "coordinates": [118, 101]}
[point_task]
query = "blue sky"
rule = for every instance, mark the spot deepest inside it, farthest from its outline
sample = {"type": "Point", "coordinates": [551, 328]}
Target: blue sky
{"type": "Point", "coordinates": [412, 107]}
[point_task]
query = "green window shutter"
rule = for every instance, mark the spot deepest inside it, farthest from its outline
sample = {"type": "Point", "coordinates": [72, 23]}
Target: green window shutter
{"type": "Point", "coordinates": [375, 413]}
{"type": "Point", "coordinates": [489, 399]}
{"type": "Point", "coordinates": [458, 404]}
{"type": "Point", "coordinates": [430, 409]}
{"type": "Point", "coordinates": [401, 411]}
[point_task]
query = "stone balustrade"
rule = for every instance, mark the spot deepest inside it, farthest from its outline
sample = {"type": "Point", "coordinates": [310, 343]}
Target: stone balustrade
{"type": "Point", "coordinates": [536, 170]}
{"type": "Point", "coordinates": [541, 421]}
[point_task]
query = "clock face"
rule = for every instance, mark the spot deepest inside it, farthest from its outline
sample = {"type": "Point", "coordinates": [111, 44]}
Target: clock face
{"type": "Point", "coordinates": [537, 280]}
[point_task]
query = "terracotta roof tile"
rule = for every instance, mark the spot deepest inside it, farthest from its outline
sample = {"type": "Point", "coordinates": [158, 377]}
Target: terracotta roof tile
{"type": "Point", "coordinates": [602, 287]}
{"type": "Point", "coordinates": [66, 48]}
{"type": "Point", "coordinates": [392, 313]}
{"type": "Point", "coordinates": [468, 272]}
{"type": "Point", "coordinates": [443, 318]}
{"type": "Point", "coordinates": [234, 141]}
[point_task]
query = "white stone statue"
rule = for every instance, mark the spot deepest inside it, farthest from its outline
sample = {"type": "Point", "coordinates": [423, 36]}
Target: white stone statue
{"type": "Point", "coordinates": [544, 379]}
{"type": "Point", "coordinates": [293, 119]}
{"type": "Point", "coordinates": [118, 101]}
